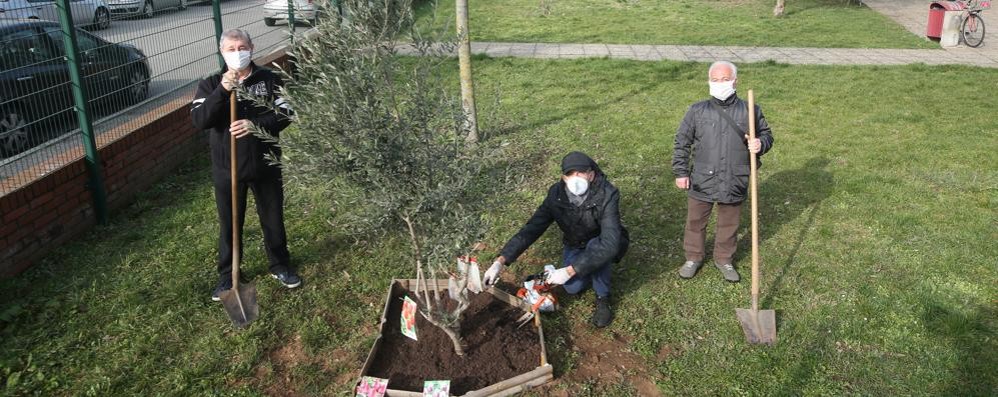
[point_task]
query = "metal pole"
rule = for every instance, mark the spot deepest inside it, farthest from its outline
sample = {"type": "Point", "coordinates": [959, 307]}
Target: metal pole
{"type": "Point", "coordinates": [291, 16]}
{"type": "Point", "coordinates": [216, 15]}
{"type": "Point", "coordinates": [82, 108]}
{"type": "Point", "coordinates": [464, 59]}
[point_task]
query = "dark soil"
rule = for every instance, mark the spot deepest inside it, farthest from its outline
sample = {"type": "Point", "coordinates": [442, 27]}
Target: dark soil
{"type": "Point", "coordinates": [496, 350]}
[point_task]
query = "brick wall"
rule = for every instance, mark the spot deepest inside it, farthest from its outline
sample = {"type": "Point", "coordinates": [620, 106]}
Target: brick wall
{"type": "Point", "coordinates": [58, 206]}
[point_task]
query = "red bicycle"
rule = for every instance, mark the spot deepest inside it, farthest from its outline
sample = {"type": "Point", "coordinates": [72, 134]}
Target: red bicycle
{"type": "Point", "coordinates": [972, 28]}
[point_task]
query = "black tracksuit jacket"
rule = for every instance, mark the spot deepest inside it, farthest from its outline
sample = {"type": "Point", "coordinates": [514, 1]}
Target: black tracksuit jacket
{"type": "Point", "coordinates": [210, 111]}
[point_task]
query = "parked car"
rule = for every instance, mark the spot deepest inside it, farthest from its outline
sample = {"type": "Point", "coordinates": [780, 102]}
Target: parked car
{"type": "Point", "coordinates": [93, 13]}
{"type": "Point", "coordinates": [144, 8]}
{"type": "Point", "coordinates": [305, 10]}
{"type": "Point", "coordinates": [35, 93]}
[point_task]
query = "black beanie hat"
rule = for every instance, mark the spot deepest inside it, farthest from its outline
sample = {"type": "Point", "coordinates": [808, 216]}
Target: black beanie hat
{"type": "Point", "coordinates": [576, 161]}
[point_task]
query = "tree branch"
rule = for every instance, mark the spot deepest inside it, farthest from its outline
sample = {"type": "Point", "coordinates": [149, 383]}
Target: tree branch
{"type": "Point", "coordinates": [419, 263]}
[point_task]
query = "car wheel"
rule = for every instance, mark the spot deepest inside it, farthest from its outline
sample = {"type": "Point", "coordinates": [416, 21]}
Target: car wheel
{"type": "Point", "coordinates": [269, 21]}
{"type": "Point", "coordinates": [183, 5]}
{"type": "Point", "coordinates": [102, 18]}
{"type": "Point", "coordinates": [138, 85]}
{"type": "Point", "coordinates": [147, 10]}
{"type": "Point", "coordinates": [13, 131]}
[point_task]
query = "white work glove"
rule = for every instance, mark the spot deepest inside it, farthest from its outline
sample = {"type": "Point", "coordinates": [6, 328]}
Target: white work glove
{"type": "Point", "coordinates": [558, 277]}
{"type": "Point", "coordinates": [492, 275]}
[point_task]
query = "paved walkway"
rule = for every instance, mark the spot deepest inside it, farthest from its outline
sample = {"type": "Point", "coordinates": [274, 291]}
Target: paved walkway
{"type": "Point", "coordinates": [790, 55]}
{"type": "Point", "coordinates": [912, 14]}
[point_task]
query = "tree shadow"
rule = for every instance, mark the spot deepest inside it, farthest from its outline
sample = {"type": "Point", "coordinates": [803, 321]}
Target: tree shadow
{"type": "Point", "coordinates": [973, 335]}
{"type": "Point", "coordinates": [817, 347]}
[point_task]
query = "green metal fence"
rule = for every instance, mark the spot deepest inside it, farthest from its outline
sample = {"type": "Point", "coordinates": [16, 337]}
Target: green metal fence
{"type": "Point", "coordinates": [72, 70]}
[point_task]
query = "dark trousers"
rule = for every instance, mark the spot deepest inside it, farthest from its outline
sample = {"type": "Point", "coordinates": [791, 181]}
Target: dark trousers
{"type": "Point", "coordinates": [269, 195]}
{"type": "Point", "coordinates": [725, 235]}
{"type": "Point", "coordinates": [599, 279]}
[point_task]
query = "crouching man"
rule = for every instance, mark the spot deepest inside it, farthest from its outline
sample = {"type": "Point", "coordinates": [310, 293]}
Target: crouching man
{"type": "Point", "coordinates": [586, 207]}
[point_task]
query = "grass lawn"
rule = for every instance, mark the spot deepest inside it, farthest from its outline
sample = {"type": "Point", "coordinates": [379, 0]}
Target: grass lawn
{"type": "Point", "coordinates": [807, 23]}
{"type": "Point", "coordinates": [878, 218]}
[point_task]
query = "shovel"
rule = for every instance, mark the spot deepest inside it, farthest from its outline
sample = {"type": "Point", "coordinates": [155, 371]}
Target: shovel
{"type": "Point", "coordinates": [240, 300]}
{"type": "Point", "coordinates": [759, 325]}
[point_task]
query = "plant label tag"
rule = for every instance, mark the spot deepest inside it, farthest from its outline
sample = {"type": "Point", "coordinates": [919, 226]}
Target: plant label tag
{"type": "Point", "coordinates": [372, 387]}
{"type": "Point", "coordinates": [409, 308]}
{"type": "Point", "coordinates": [436, 388]}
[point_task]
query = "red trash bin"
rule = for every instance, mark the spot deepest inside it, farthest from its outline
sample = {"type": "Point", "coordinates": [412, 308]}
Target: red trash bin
{"type": "Point", "coordinates": [937, 10]}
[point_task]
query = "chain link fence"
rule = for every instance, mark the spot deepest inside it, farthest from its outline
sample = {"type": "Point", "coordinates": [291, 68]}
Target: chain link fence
{"type": "Point", "coordinates": [132, 57]}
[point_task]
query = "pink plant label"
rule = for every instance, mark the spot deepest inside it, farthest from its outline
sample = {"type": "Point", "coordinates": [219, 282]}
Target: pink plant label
{"type": "Point", "coordinates": [372, 387]}
{"type": "Point", "coordinates": [436, 388]}
{"type": "Point", "coordinates": [409, 308]}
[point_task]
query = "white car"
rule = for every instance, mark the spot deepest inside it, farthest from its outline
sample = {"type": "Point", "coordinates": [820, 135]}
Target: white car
{"type": "Point", "coordinates": [305, 10]}
{"type": "Point", "coordinates": [93, 13]}
{"type": "Point", "coordinates": [145, 8]}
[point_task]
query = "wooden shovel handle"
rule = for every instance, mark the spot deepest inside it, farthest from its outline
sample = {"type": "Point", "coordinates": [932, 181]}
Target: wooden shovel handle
{"type": "Point", "coordinates": [235, 198]}
{"type": "Point", "coordinates": [753, 184]}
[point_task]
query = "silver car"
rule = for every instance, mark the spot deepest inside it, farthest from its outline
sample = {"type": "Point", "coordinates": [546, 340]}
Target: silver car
{"type": "Point", "coordinates": [85, 12]}
{"type": "Point", "coordinates": [145, 8]}
{"type": "Point", "coordinates": [305, 10]}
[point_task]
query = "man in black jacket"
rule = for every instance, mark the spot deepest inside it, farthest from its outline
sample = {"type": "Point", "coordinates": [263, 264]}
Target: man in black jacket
{"type": "Point", "coordinates": [715, 134]}
{"type": "Point", "coordinates": [210, 111]}
{"type": "Point", "coordinates": [586, 207]}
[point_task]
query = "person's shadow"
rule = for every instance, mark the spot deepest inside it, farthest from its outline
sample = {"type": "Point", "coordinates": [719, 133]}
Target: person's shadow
{"type": "Point", "coordinates": [967, 332]}
{"type": "Point", "coordinates": [783, 198]}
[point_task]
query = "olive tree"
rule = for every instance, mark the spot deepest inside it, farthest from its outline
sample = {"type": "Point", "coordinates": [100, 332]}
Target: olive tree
{"type": "Point", "coordinates": [389, 134]}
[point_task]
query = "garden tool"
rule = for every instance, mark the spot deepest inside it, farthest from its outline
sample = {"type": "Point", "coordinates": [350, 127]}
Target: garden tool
{"type": "Point", "coordinates": [240, 300]}
{"type": "Point", "coordinates": [759, 325]}
{"type": "Point", "coordinates": [538, 295]}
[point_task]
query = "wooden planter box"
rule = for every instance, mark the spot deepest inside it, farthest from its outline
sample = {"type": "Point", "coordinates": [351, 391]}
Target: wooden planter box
{"type": "Point", "coordinates": [517, 384]}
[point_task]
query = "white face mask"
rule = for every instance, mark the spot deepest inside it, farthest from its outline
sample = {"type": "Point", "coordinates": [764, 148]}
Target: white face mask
{"type": "Point", "coordinates": [722, 90]}
{"type": "Point", "coordinates": [237, 60]}
{"type": "Point", "coordinates": [577, 185]}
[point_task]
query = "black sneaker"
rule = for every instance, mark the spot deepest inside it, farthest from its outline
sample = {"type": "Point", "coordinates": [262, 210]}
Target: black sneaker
{"type": "Point", "coordinates": [224, 284]}
{"type": "Point", "coordinates": [603, 314]}
{"type": "Point", "coordinates": [287, 278]}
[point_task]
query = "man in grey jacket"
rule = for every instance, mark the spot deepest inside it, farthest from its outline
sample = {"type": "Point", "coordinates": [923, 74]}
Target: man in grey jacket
{"type": "Point", "coordinates": [714, 133]}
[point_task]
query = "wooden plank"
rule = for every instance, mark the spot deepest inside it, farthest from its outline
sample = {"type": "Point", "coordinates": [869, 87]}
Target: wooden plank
{"type": "Point", "coordinates": [519, 380]}
{"type": "Point", "coordinates": [540, 334]}
{"type": "Point", "coordinates": [381, 330]}
{"type": "Point", "coordinates": [509, 299]}
{"type": "Point", "coordinates": [409, 283]}
{"type": "Point", "coordinates": [523, 387]}
{"type": "Point", "coordinates": [402, 393]}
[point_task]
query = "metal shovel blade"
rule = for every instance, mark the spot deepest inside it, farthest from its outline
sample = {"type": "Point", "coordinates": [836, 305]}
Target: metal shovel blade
{"type": "Point", "coordinates": [240, 304]}
{"type": "Point", "coordinates": [759, 325]}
